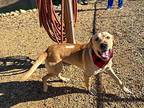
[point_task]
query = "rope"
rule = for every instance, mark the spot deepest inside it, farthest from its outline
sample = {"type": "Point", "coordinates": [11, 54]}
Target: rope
{"type": "Point", "coordinates": [47, 16]}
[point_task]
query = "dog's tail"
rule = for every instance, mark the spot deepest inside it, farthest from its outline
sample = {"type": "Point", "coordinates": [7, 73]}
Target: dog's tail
{"type": "Point", "coordinates": [39, 61]}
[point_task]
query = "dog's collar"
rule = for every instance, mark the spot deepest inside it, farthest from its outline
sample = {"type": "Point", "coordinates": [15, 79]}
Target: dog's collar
{"type": "Point", "coordinates": [99, 62]}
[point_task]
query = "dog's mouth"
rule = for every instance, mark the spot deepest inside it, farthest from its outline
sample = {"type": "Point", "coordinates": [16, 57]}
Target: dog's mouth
{"type": "Point", "coordinates": [105, 55]}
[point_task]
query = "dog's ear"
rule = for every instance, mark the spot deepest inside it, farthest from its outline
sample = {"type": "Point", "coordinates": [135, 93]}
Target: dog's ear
{"type": "Point", "coordinates": [95, 35]}
{"type": "Point", "coordinates": [113, 39]}
{"type": "Point", "coordinates": [89, 43]}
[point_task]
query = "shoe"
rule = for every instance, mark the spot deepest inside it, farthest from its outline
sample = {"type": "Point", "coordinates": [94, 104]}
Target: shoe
{"type": "Point", "coordinates": [120, 7]}
{"type": "Point", "coordinates": [85, 2]}
{"type": "Point", "coordinates": [109, 8]}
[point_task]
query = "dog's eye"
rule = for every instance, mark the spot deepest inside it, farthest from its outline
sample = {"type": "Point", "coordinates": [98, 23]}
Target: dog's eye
{"type": "Point", "coordinates": [97, 38]}
{"type": "Point", "coordinates": [107, 37]}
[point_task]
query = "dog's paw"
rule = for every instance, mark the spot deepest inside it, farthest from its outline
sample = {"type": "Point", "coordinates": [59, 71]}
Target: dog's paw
{"type": "Point", "coordinates": [65, 79]}
{"type": "Point", "coordinates": [127, 90]}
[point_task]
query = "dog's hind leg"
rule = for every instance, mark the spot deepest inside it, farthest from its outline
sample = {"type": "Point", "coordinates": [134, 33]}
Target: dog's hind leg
{"type": "Point", "coordinates": [44, 79]}
{"type": "Point", "coordinates": [53, 70]}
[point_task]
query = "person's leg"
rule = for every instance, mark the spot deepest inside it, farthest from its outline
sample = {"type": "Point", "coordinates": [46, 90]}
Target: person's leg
{"type": "Point", "coordinates": [120, 3]}
{"type": "Point", "coordinates": [110, 4]}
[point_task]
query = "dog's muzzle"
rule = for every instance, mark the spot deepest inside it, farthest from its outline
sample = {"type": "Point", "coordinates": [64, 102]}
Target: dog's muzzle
{"type": "Point", "coordinates": [104, 47]}
{"type": "Point", "coordinates": [105, 52]}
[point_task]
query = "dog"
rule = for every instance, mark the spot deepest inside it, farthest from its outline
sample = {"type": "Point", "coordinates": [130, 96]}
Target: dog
{"type": "Point", "coordinates": [94, 57]}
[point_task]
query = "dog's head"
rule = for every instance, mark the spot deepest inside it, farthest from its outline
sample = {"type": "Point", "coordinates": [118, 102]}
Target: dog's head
{"type": "Point", "coordinates": [102, 44]}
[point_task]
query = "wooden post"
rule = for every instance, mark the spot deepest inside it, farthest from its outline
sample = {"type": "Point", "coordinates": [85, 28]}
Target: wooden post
{"type": "Point", "coordinates": [70, 21]}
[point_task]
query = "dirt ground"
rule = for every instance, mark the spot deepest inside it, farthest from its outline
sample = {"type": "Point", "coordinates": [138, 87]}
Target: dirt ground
{"type": "Point", "coordinates": [22, 40]}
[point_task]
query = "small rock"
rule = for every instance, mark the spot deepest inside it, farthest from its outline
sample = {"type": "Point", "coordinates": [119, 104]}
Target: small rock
{"type": "Point", "coordinates": [34, 10]}
{"type": "Point", "coordinates": [17, 11]}
{"type": "Point", "coordinates": [22, 11]}
{"type": "Point", "coordinates": [0, 15]}
{"type": "Point", "coordinates": [29, 10]}
{"type": "Point", "coordinates": [14, 14]}
{"type": "Point", "coordinates": [3, 15]}
{"type": "Point", "coordinates": [7, 14]}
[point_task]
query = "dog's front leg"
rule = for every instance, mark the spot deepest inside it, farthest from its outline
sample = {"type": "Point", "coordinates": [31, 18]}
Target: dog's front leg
{"type": "Point", "coordinates": [118, 81]}
{"type": "Point", "coordinates": [88, 84]}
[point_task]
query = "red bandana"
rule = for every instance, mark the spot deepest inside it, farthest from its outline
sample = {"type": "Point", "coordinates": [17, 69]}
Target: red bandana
{"type": "Point", "coordinates": [100, 62]}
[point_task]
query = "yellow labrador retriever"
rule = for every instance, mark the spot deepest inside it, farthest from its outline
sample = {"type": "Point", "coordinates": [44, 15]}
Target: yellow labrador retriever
{"type": "Point", "coordinates": [93, 58]}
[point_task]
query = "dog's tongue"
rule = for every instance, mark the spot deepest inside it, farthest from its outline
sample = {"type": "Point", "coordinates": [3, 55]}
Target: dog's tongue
{"type": "Point", "coordinates": [106, 54]}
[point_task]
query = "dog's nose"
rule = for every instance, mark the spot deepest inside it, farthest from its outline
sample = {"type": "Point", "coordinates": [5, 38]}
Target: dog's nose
{"type": "Point", "coordinates": [103, 46]}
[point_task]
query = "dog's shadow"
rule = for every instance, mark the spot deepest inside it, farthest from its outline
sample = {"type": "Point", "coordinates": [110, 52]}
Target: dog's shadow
{"type": "Point", "coordinates": [12, 93]}
{"type": "Point", "coordinates": [15, 65]}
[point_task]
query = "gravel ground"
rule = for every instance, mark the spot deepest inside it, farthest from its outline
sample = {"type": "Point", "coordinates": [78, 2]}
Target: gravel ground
{"type": "Point", "coordinates": [22, 40]}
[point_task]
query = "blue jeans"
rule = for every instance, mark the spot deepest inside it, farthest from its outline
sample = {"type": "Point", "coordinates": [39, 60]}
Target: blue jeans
{"type": "Point", "coordinates": [110, 3]}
